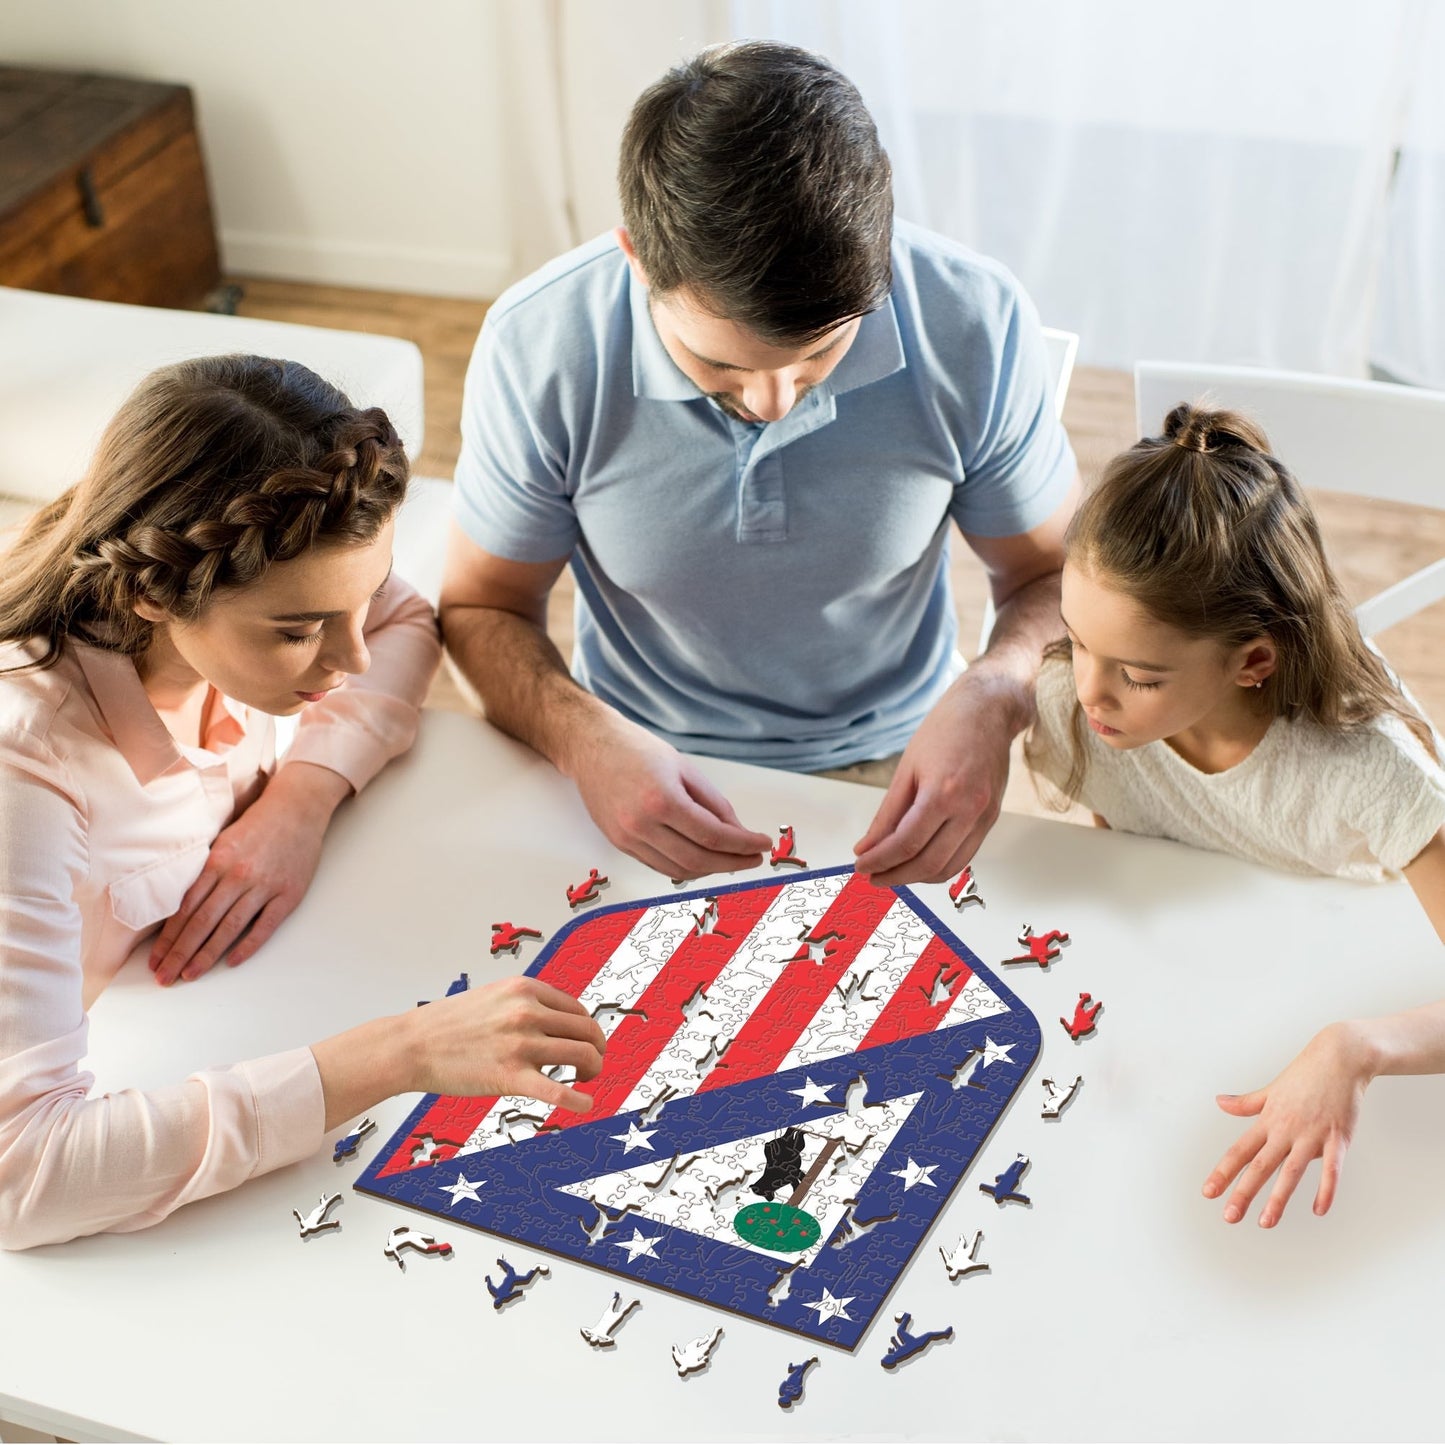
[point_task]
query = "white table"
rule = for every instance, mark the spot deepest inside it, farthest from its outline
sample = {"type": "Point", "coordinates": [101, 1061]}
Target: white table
{"type": "Point", "coordinates": [1118, 1307]}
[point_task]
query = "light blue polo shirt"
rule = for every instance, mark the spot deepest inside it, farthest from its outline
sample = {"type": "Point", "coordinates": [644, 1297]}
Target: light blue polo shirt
{"type": "Point", "coordinates": [773, 593]}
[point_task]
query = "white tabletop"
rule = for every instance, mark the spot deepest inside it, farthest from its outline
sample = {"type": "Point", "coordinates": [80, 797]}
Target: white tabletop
{"type": "Point", "coordinates": [1118, 1307]}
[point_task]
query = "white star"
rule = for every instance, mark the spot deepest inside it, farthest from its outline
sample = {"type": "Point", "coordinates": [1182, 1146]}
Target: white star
{"type": "Point", "coordinates": [638, 1244]}
{"type": "Point", "coordinates": [635, 1138]}
{"type": "Point", "coordinates": [994, 1053]}
{"type": "Point", "coordinates": [828, 1307]}
{"type": "Point", "coordinates": [915, 1173]}
{"type": "Point", "coordinates": [812, 1093]}
{"type": "Point", "coordinates": [464, 1188]}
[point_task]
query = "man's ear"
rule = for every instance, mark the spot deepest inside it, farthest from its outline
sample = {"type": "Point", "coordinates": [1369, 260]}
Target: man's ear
{"type": "Point", "coordinates": [625, 241]}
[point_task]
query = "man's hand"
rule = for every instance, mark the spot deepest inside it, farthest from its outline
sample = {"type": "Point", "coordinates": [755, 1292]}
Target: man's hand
{"type": "Point", "coordinates": [258, 871]}
{"type": "Point", "coordinates": [949, 786]}
{"type": "Point", "coordinates": [656, 805]}
{"type": "Point", "coordinates": [1307, 1113]}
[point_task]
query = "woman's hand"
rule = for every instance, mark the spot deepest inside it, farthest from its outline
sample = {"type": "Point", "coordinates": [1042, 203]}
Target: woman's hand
{"type": "Point", "coordinates": [496, 1039]}
{"type": "Point", "coordinates": [1307, 1113]}
{"type": "Point", "coordinates": [258, 871]}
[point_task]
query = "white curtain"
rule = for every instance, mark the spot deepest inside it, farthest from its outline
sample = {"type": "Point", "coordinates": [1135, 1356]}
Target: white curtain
{"type": "Point", "coordinates": [1207, 183]}
{"type": "Point", "coordinates": [1409, 339]}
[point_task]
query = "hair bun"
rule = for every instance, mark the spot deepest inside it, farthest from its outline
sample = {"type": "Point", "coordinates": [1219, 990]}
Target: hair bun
{"type": "Point", "coordinates": [1199, 429]}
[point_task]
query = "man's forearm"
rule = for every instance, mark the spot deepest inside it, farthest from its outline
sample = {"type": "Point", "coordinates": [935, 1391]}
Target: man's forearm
{"type": "Point", "coordinates": [1026, 624]}
{"type": "Point", "coordinates": [522, 681]}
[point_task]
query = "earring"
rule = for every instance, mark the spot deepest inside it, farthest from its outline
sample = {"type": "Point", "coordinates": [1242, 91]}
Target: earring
{"type": "Point", "coordinates": [1259, 685]}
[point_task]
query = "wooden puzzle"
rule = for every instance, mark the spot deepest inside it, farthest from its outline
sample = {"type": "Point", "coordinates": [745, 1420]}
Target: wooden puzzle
{"type": "Point", "coordinates": [799, 1072]}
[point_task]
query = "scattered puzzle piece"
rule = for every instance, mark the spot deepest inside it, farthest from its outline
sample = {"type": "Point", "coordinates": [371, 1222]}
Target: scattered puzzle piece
{"type": "Point", "coordinates": [348, 1144]}
{"type": "Point", "coordinates": [1056, 1097]}
{"type": "Point", "coordinates": [601, 1335]}
{"type": "Point", "coordinates": [964, 890]}
{"type": "Point", "coordinates": [405, 1237]}
{"type": "Point", "coordinates": [317, 1221]}
{"type": "Point", "coordinates": [1043, 948]}
{"type": "Point", "coordinates": [785, 850]}
{"type": "Point", "coordinates": [695, 1354]}
{"type": "Point", "coordinates": [511, 1284]}
{"type": "Point", "coordinates": [963, 1259]}
{"type": "Point", "coordinates": [507, 938]}
{"type": "Point", "coordinates": [1006, 1186]}
{"type": "Point", "coordinates": [588, 890]}
{"type": "Point", "coordinates": [460, 984]}
{"type": "Point", "coordinates": [904, 1344]}
{"type": "Point", "coordinates": [1084, 1018]}
{"type": "Point", "coordinates": [791, 1390]}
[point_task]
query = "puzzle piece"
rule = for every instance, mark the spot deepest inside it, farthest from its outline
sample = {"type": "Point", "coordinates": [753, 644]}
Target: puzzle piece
{"type": "Point", "coordinates": [588, 890]}
{"type": "Point", "coordinates": [1056, 1096]}
{"type": "Point", "coordinates": [1084, 1017]}
{"type": "Point", "coordinates": [511, 1284]}
{"type": "Point", "coordinates": [405, 1237]}
{"type": "Point", "coordinates": [1006, 1186]}
{"type": "Point", "coordinates": [460, 984]}
{"type": "Point", "coordinates": [602, 1335]}
{"type": "Point", "coordinates": [791, 1390]}
{"type": "Point", "coordinates": [964, 891]}
{"type": "Point", "coordinates": [507, 938]}
{"type": "Point", "coordinates": [963, 1258]}
{"type": "Point", "coordinates": [904, 1344]}
{"type": "Point", "coordinates": [785, 850]}
{"type": "Point", "coordinates": [316, 1221]}
{"type": "Point", "coordinates": [696, 1354]}
{"type": "Point", "coordinates": [348, 1144]}
{"type": "Point", "coordinates": [1041, 948]}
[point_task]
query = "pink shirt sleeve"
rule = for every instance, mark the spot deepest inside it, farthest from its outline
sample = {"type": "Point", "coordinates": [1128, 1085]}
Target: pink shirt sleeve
{"type": "Point", "coordinates": [72, 1164]}
{"type": "Point", "coordinates": [360, 727]}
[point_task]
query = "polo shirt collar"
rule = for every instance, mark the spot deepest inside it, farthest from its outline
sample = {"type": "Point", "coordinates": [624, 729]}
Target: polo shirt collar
{"type": "Point", "coordinates": [135, 727]}
{"type": "Point", "coordinates": [876, 352]}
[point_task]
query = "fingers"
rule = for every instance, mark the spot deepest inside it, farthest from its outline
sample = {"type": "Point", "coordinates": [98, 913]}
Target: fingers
{"type": "Point", "coordinates": [265, 924]}
{"type": "Point", "coordinates": [210, 929]}
{"type": "Point", "coordinates": [1237, 1157]}
{"type": "Point", "coordinates": [194, 896]}
{"type": "Point", "coordinates": [1290, 1174]}
{"type": "Point", "coordinates": [1242, 1105]}
{"type": "Point", "coordinates": [930, 844]}
{"type": "Point", "coordinates": [1269, 1158]}
{"type": "Point", "coordinates": [891, 812]}
{"type": "Point", "coordinates": [737, 839]}
{"type": "Point", "coordinates": [1334, 1160]}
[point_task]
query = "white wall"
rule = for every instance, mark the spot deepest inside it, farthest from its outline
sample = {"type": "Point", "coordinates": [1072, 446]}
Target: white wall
{"type": "Point", "coordinates": [354, 142]}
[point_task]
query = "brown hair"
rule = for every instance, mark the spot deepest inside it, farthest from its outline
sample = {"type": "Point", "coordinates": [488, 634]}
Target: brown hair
{"type": "Point", "coordinates": [1210, 533]}
{"type": "Point", "coordinates": [753, 175]}
{"type": "Point", "coordinates": [211, 470]}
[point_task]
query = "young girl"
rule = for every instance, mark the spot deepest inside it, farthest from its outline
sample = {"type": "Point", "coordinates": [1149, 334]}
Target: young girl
{"type": "Point", "coordinates": [1221, 694]}
{"type": "Point", "coordinates": [226, 559]}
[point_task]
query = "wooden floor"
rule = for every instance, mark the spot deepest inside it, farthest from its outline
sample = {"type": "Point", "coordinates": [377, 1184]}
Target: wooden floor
{"type": "Point", "coordinates": [1371, 543]}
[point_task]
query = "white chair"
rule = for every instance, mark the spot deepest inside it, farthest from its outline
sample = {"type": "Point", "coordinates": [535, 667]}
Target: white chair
{"type": "Point", "coordinates": [1368, 438]}
{"type": "Point", "coordinates": [1060, 349]}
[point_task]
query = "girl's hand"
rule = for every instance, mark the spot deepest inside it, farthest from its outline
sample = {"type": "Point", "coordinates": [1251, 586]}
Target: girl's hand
{"type": "Point", "coordinates": [498, 1038]}
{"type": "Point", "coordinates": [259, 869]}
{"type": "Point", "coordinates": [1307, 1113]}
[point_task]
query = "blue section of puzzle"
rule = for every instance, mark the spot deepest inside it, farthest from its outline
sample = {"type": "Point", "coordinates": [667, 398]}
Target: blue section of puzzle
{"type": "Point", "coordinates": [522, 1197]}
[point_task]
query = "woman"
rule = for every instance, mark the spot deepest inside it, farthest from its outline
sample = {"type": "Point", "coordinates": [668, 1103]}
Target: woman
{"type": "Point", "coordinates": [225, 560]}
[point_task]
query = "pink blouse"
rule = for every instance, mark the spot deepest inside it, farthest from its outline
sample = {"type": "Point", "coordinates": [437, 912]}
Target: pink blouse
{"type": "Point", "coordinates": [105, 821]}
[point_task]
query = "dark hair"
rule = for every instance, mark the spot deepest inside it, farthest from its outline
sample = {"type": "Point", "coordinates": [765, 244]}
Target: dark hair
{"type": "Point", "coordinates": [210, 471]}
{"type": "Point", "coordinates": [752, 174]}
{"type": "Point", "coordinates": [1210, 533]}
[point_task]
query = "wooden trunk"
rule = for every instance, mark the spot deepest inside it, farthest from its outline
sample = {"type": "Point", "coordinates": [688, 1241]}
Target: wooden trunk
{"type": "Point", "coordinates": [103, 189]}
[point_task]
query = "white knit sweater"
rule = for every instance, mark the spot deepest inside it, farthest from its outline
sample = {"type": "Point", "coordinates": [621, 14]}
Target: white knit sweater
{"type": "Point", "coordinates": [1354, 804]}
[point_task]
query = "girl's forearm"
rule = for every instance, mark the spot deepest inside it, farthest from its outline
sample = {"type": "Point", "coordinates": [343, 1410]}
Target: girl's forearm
{"type": "Point", "coordinates": [1411, 1042]}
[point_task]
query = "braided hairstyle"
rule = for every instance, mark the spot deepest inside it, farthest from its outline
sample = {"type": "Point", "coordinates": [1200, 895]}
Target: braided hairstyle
{"type": "Point", "coordinates": [212, 470]}
{"type": "Point", "coordinates": [1210, 533]}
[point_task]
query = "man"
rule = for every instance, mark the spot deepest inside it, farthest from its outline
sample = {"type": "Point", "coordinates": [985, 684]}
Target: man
{"type": "Point", "coordinates": [747, 420]}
